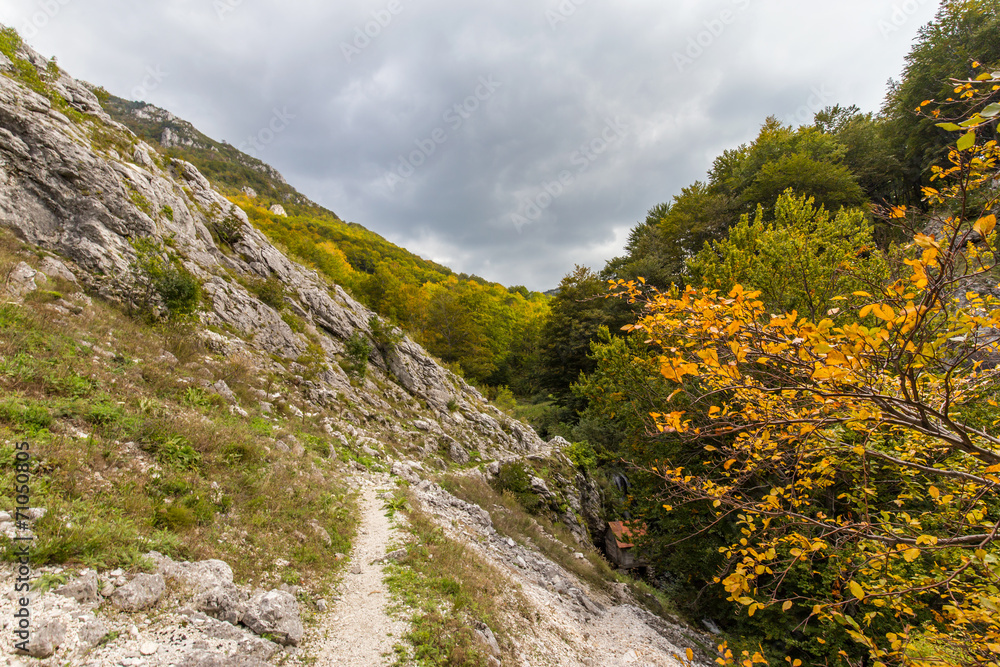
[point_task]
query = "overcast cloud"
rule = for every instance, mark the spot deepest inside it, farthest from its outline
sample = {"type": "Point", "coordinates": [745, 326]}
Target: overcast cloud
{"type": "Point", "coordinates": [511, 140]}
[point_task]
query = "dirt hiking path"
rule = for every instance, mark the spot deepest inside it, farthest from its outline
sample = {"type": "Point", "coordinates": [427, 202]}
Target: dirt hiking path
{"type": "Point", "coordinates": [357, 631]}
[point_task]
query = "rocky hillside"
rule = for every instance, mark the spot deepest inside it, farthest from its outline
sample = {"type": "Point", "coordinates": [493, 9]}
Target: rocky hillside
{"type": "Point", "coordinates": [208, 421]}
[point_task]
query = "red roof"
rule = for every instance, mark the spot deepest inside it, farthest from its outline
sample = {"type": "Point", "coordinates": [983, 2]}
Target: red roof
{"type": "Point", "coordinates": [625, 533]}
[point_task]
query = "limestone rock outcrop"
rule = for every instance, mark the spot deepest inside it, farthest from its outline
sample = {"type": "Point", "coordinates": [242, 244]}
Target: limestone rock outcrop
{"type": "Point", "coordinates": [88, 190]}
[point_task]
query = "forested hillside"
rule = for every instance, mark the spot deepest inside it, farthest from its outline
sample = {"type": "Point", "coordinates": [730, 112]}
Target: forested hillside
{"type": "Point", "coordinates": [793, 378]}
{"type": "Point", "coordinates": [482, 329]}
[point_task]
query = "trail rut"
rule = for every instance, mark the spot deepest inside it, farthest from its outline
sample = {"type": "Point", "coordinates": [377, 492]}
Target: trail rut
{"type": "Point", "coordinates": [357, 631]}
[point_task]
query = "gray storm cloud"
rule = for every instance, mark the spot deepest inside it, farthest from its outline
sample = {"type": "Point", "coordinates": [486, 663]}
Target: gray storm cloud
{"type": "Point", "coordinates": [510, 140]}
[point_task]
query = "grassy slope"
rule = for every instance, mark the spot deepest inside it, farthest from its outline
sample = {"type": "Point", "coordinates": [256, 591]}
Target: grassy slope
{"type": "Point", "coordinates": [132, 452]}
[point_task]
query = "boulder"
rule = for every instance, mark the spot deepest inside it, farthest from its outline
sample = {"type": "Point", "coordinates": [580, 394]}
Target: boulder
{"type": "Point", "coordinates": [91, 632]}
{"type": "Point", "coordinates": [21, 280]}
{"type": "Point", "coordinates": [486, 634]}
{"type": "Point", "coordinates": [224, 602]}
{"type": "Point", "coordinates": [404, 471]}
{"type": "Point", "coordinates": [46, 638]}
{"type": "Point", "coordinates": [143, 592]}
{"type": "Point", "coordinates": [83, 589]}
{"type": "Point", "coordinates": [223, 390]}
{"type": "Point", "coordinates": [53, 268]}
{"type": "Point", "coordinates": [321, 532]}
{"type": "Point", "coordinates": [275, 613]}
{"type": "Point", "coordinates": [200, 575]}
{"type": "Point", "coordinates": [278, 209]}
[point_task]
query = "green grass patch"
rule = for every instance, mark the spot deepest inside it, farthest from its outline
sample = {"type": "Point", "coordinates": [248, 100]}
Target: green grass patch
{"type": "Point", "coordinates": [448, 591]}
{"type": "Point", "coordinates": [128, 459]}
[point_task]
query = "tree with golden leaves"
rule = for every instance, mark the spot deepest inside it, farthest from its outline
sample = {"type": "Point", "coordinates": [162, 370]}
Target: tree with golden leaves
{"type": "Point", "coordinates": [865, 442]}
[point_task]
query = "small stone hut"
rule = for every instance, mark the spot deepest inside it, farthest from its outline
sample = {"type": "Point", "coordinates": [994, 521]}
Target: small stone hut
{"type": "Point", "coordinates": [619, 543]}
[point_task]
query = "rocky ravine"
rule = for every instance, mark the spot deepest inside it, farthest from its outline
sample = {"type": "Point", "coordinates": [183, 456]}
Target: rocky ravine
{"type": "Point", "coordinates": [83, 191]}
{"type": "Point", "coordinates": [193, 615]}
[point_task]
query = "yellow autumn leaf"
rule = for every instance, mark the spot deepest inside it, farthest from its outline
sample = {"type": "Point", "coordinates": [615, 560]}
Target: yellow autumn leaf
{"type": "Point", "coordinates": [984, 226]}
{"type": "Point", "coordinates": [786, 606]}
{"type": "Point", "coordinates": [884, 312]}
{"type": "Point", "coordinates": [857, 591]}
{"type": "Point", "coordinates": [689, 653]}
{"type": "Point", "coordinates": [911, 555]}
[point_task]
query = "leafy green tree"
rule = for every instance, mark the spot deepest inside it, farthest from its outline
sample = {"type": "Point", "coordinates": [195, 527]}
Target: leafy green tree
{"type": "Point", "coordinates": [799, 260]}
{"type": "Point", "coordinates": [158, 283]}
{"type": "Point", "coordinates": [577, 313]}
{"type": "Point", "coordinates": [870, 156]}
{"type": "Point", "coordinates": [831, 185]}
{"type": "Point", "coordinates": [962, 33]}
{"type": "Point", "coordinates": [451, 330]}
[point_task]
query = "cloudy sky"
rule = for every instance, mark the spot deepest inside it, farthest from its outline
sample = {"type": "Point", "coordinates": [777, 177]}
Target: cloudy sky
{"type": "Point", "coordinates": [511, 140]}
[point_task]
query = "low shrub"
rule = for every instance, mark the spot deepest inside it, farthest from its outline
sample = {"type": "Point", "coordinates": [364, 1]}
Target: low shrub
{"type": "Point", "coordinates": [358, 350]}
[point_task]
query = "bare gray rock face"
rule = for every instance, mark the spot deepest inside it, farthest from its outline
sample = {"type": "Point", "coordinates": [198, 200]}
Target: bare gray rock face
{"type": "Point", "coordinates": [277, 614]}
{"type": "Point", "coordinates": [143, 592]}
{"type": "Point", "coordinates": [88, 202]}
